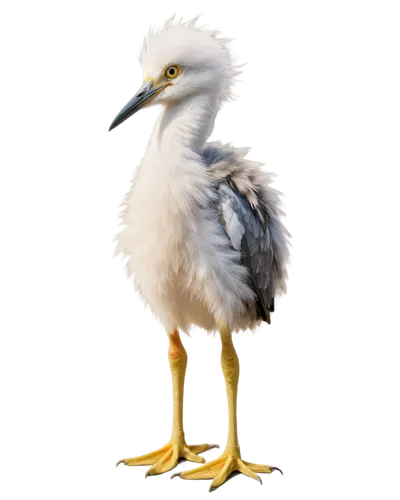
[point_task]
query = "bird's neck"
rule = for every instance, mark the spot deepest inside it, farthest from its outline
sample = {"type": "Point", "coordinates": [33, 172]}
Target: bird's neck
{"type": "Point", "coordinates": [186, 124]}
{"type": "Point", "coordinates": [172, 172]}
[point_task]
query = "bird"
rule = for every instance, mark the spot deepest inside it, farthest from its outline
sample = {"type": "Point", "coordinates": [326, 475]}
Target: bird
{"type": "Point", "coordinates": [203, 235]}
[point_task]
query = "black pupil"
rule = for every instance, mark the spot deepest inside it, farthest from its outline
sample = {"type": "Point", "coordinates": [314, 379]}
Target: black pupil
{"type": "Point", "coordinates": [171, 71]}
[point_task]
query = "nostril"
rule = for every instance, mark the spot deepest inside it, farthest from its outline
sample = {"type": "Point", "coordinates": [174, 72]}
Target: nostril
{"type": "Point", "coordinates": [141, 93]}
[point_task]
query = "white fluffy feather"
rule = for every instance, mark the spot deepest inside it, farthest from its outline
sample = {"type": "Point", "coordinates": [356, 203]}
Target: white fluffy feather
{"type": "Point", "coordinates": [183, 263]}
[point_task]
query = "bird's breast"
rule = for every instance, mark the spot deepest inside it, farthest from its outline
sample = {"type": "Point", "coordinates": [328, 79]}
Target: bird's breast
{"type": "Point", "coordinates": [155, 232]}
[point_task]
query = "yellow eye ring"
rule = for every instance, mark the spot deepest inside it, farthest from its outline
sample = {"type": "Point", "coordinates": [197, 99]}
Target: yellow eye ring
{"type": "Point", "coordinates": [171, 72]}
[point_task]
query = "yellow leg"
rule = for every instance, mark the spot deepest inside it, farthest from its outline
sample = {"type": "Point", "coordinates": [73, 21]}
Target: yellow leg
{"type": "Point", "coordinates": [166, 458]}
{"type": "Point", "coordinates": [230, 460]}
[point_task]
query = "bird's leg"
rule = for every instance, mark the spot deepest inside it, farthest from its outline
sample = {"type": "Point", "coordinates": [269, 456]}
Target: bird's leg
{"type": "Point", "coordinates": [166, 458]}
{"type": "Point", "coordinates": [177, 361]}
{"type": "Point", "coordinates": [230, 368]}
{"type": "Point", "coordinates": [230, 460]}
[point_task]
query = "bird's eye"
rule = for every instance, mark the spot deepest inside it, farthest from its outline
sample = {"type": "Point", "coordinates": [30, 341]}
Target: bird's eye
{"type": "Point", "coordinates": [172, 72]}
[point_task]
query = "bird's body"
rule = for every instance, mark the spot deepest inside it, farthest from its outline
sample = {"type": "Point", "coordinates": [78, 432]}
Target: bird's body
{"type": "Point", "coordinates": [187, 264]}
{"type": "Point", "coordinates": [202, 234]}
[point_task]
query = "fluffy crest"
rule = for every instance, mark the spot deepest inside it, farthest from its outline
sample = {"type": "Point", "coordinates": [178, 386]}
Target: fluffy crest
{"type": "Point", "coordinates": [176, 21]}
{"type": "Point", "coordinates": [222, 47]}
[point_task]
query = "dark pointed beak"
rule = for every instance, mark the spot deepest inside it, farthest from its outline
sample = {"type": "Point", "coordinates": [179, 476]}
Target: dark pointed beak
{"type": "Point", "coordinates": [145, 95]}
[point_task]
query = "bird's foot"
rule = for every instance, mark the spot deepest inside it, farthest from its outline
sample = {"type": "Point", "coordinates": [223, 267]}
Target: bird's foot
{"type": "Point", "coordinates": [166, 458]}
{"type": "Point", "coordinates": [220, 469]}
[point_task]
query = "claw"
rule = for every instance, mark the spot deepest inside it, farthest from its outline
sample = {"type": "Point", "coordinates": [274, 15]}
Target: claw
{"type": "Point", "coordinates": [211, 490]}
{"type": "Point", "coordinates": [149, 475]}
{"type": "Point", "coordinates": [276, 468]}
{"type": "Point", "coordinates": [259, 479]}
{"type": "Point", "coordinates": [120, 462]}
{"type": "Point", "coordinates": [176, 474]}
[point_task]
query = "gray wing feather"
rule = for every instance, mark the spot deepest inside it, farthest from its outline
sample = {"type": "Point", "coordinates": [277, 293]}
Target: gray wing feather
{"type": "Point", "coordinates": [246, 235]}
{"type": "Point", "coordinates": [257, 232]}
{"type": "Point", "coordinates": [249, 213]}
{"type": "Point", "coordinates": [234, 228]}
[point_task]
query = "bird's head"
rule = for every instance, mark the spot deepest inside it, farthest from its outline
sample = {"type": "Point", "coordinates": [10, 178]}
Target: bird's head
{"type": "Point", "coordinates": [178, 62]}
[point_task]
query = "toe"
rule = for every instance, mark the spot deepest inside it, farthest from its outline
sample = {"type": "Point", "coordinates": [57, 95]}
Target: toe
{"type": "Point", "coordinates": [199, 448]}
{"type": "Point", "coordinates": [192, 457]}
{"type": "Point", "coordinates": [244, 469]}
{"type": "Point", "coordinates": [226, 470]}
{"type": "Point", "coordinates": [206, 471]}
{"type": "Point", "coordinates": [259, 468]}
{"type": "Point", "coordinates": [141, 461]}
{"type": "Point", "coordinates": [166, 463]}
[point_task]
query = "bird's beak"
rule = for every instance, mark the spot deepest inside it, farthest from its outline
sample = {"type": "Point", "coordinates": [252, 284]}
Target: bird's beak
{"type": "Point", "coordinates": [146, 94]}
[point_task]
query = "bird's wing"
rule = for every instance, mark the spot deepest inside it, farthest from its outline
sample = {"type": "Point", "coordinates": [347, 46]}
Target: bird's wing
{"type": "Point", "coordinates": [249, 211]}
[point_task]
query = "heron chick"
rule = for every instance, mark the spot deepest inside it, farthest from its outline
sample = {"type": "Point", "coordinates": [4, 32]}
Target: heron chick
{"type": "Point", "coordinates": [203, 234]}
